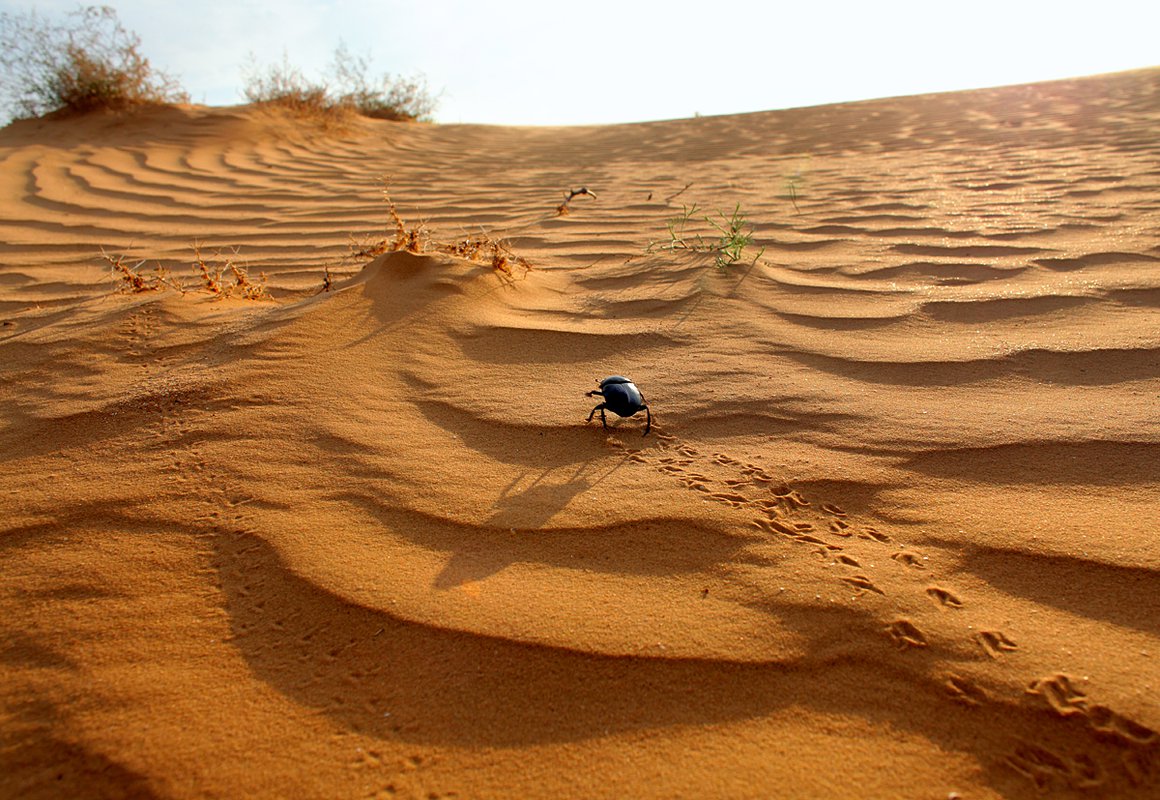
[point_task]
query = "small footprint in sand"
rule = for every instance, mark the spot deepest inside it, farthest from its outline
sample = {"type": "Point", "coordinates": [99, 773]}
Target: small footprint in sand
{"type": "Point", "coordinates": [909, 559]}
{"type": "Point", "coordinates": [731, 498]}
{"type": "Point", "coordinates": [840, 528]}
{"type": "Point", "coordinates": [965, 691]}
{"type": "Point", "coordinates": [1140, 766]}
{"type": "Point", "coordinates": [994, 643]}
{"type": "Point", "coordinates": [906, 634]}
{"type": "Point", "coordinates": [875, 534]}
{"type": "Point", "coordinates": [1067, 700]}
{"type": "Point", "coordinates": [943, 597]}
{"type": "Point", "coordinates": [863, 583]}
{"type": "Point", "coordinates": [1044, 767]}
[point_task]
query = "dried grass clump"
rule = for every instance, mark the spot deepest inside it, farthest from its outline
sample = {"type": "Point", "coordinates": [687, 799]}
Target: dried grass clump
{"type": "Point", "coordinates": [346, 92]}
{"type": "Point", "coordinates": [131, 278]}
{"type": "Point", "coordinates": [284, 86]}
{"type": "Point", "coordinates": [85, 63]}
{"type": "Point", "coordinates": [393, 98]}
{"type": "Point", "coordinates": [215, 274]}
{"type": "Point", "coordinates": [412, 239]}
{"type": "Point", "coordinates": [485, 249]}
{"type": "Point", "coordinates": [482, 248]}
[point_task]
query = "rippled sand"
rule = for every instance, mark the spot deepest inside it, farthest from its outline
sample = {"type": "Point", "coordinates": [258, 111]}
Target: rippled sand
{"type": "Point", "coordinates": [894, 533]}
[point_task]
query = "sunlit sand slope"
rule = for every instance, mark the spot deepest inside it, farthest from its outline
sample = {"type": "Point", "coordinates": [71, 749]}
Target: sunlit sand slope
{"type": "Point", "coordinates": [893, 533]}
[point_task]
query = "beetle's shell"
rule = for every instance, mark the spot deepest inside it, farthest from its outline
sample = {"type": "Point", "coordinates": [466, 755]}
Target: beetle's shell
{"type": "Point", "coordinates": [621, 396]}
{"type": "Point", "coordinates": [614, 379]}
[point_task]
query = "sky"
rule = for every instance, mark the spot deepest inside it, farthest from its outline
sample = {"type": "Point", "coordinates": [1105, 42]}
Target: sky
{"type": "Point", "coordinates": [569, 62]}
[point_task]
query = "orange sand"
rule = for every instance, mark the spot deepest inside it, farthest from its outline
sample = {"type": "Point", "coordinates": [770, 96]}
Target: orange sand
{"type": "Point", "coordinates": [894, 533]}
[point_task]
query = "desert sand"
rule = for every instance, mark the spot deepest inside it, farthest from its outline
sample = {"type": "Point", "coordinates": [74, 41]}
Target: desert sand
{"type": "Point", "coordinates": [893, 534]}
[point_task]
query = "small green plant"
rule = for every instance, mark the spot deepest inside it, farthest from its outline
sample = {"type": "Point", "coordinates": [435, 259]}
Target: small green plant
{"type": "Point", "coordinates": [85, 63]}
{"type": "Point", "coordinates": [676, 228]}
{"type": "Point", "coordinates": [730, 247]}
{"type": "Point", "coordinates": [791, 190]}
{"type": "Point", "coordinates": [735, 234]}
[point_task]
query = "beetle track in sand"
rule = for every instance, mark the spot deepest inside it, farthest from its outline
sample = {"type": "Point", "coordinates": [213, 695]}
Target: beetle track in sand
{"type": "Point", "coordinates": [783, 512]}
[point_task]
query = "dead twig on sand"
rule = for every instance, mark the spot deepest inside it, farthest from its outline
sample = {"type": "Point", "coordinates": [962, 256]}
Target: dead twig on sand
{"type": "Point", "coordinates": [673, 197]}
{"type": "Point", "coordinates": [569, 196]}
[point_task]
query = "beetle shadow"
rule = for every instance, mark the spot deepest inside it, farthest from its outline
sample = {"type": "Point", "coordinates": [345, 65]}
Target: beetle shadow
{"type": "Point", "coordinates": [526, 510]}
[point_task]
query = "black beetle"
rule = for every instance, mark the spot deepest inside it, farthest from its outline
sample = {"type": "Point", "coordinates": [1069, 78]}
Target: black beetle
{"type": "Point", "coordinates": [622, 398]}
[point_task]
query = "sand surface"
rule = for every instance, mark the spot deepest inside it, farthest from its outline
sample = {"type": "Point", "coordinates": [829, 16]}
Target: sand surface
{"type": "Point", "coordinates": [894, 532]}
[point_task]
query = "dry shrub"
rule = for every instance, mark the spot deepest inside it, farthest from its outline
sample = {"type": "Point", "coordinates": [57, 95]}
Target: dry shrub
{"type": "Point", "coordinates": [283, 85]}
{"type": "Point", "coordinates": [482, 248]}
{"type": "Point", "coordinates": [131, 278]}
{"type": "Point", "coordinates": [213, 273]}
{"type": "Point", "coordinates": [403, 99]}
{"type": "Point", "coordinates": [347, 91]}
{"type": "Point", "coordinates": [486, 249]}
{"type": "Point", "coordinates": [85, 63]}
{"type": "Point", "coordinates": [412, 239]}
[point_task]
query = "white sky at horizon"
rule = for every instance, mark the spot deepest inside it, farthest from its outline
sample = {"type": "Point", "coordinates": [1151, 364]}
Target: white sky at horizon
{"type": "Point", "coordinates": [600, 62]}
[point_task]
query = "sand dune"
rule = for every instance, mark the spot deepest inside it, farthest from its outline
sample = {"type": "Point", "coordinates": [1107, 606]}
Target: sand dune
{"type": "Point", "coordinates": [893, 533]}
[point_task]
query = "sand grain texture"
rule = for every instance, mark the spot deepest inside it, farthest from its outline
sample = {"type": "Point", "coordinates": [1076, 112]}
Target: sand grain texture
{"type": "Point", "coordinates": [894, 533]}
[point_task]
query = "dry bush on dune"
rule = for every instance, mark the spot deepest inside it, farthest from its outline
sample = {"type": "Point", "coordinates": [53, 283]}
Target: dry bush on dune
{"type": "Point", "coordinates": [85, 63]}
{"type": "Point", "coordinates": [216, 272]}
{"type": "Point", "coordinates": [413, 239]}
{"type": "Point", "coordinates": [480, 248]}
{"type": "Point", "coordinates": [385, 98]}
{"type": "Point", "coordinates": [347, 91]}
{"type": "Point", "coordinates": [221, 277]}
{"type": "Point", "coordinates": [285, 86]}
{"type": "Point", "coordinates": [130, 278]}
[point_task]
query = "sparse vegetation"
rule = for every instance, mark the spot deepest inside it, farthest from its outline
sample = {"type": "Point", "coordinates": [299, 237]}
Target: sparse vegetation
{"type": "Point", "coordinates": [481, 248]}
{"type": "Point", "coordinates": [87, 62]}
{"type": "Point", "coordinates": [285, 86]}
{"type": "Point", "coordinates": [412, 239]}
{"type": "Point", "coordinates": [676, 228]}
{"type": "Point", "coordinates": [791, 190]}
{"type": "Point", "coordinates": [490, 251]}
{"type": "Point", "coordinates": [216, 272]}
{"type": "Point", "coordinates": [220, 276]}
{"type": "Point", "coordinates": [734, 235]}
{"type": "Point", "coordinates": [131, 278]}
{"type": "Point", "coordinates": [347, 90]}
{"type": "Point", "coordinates": [387, 97]}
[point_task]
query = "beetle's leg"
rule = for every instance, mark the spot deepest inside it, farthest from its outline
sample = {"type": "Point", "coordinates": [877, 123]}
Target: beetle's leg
{"type": "Point", "coordinates": [603, 419]}
{"type": "Point", "coordinates": [596, 393]}
{"type": "Point", "coordinates": [648, 421]}
{"type": "Point", "coordinates": [599, 408]}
